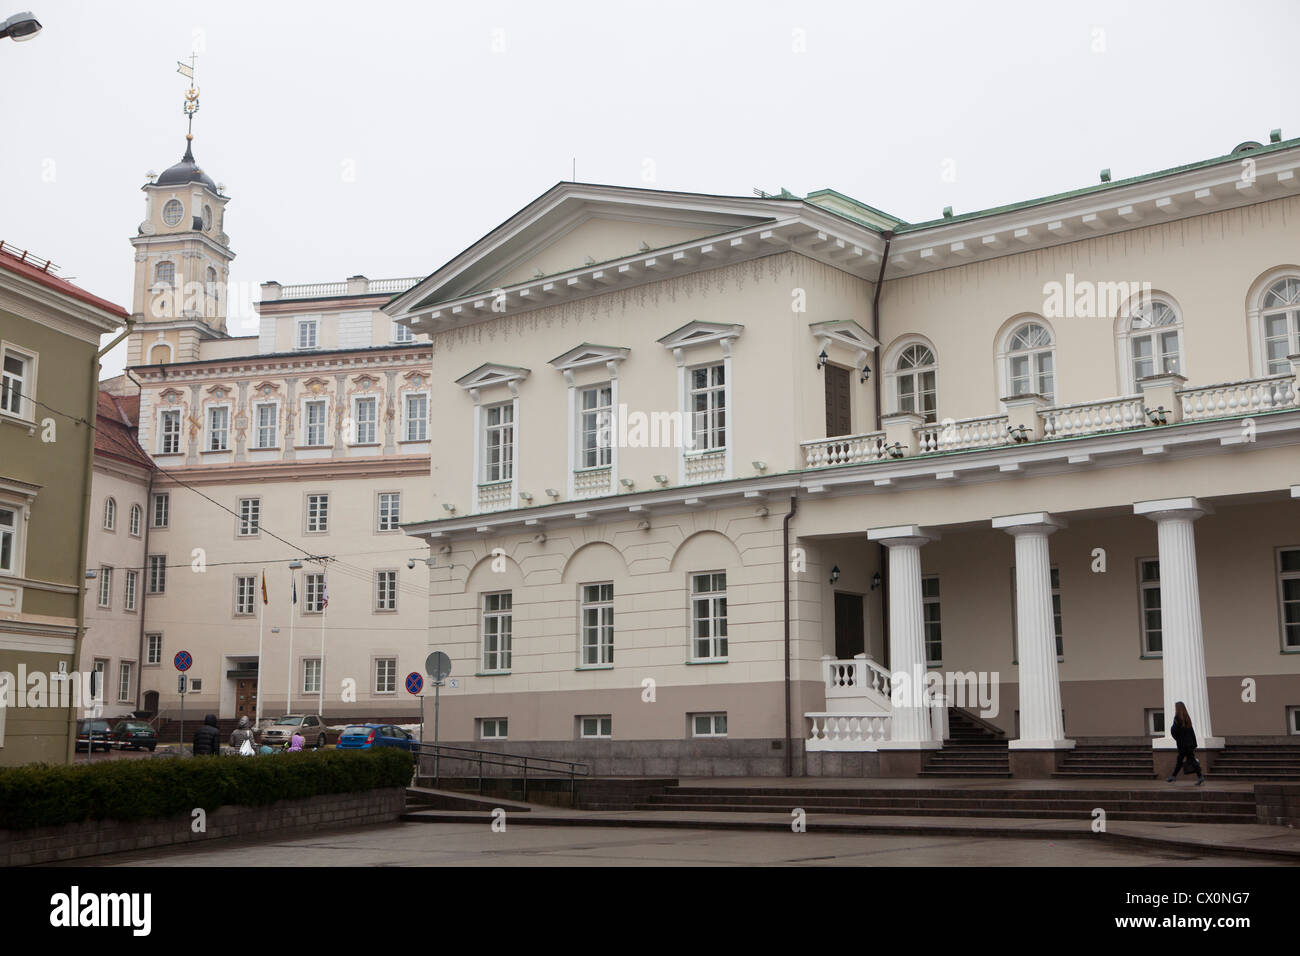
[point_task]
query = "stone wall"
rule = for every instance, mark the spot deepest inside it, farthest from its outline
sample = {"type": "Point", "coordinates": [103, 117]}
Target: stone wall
{"type": "Point", "coordinates": [1278, 804]}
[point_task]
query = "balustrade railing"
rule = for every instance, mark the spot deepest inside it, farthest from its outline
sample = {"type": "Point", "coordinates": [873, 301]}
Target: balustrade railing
{"type": "Point", "coordinates": [1091, 418]}
{"type": "Point", "coordinates": [1237, 398]}
{"type": "Point", "coordinates": [844, 450]}
{"type": "Point", "coordinates": [956, 434]}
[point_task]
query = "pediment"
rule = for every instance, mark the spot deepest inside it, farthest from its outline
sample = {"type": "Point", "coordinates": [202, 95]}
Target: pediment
{"type": "Point", "coordinates": [490, 374]}
{"type": "Point", "coordinates": [845, 332]}
{"type": "Point", "coordinates": [700, 333]}
{"type": "Point", "coordinates": [588, 354]}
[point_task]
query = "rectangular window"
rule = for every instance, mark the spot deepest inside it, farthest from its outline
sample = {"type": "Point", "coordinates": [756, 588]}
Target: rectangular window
{"type": "Point", "coordinates": [250, 516]}
{"type": "Point", "coordinates": [597, 728]}
{"type": "Point", "coordinates": [932, 619]}
{"type": "Point", "coordinates": [267, 425]}
{"type": "Point", "coordinates": [169, 431]}
{"type": "Point", "coordinates": [417, 417]}
{"type": "Point", "coordinates": [162, 509]}
{"type": "Point", "coordinates": [385, 590]}
{"type": "Point", "coordinates": [365, 413]}
{"type": "Point", "coordinates": [708, 725]}
{"type": "Point", "coordinates": [123, 682]}
{"type": "Point", "coordinates": [499, 442]}
{"type": "Point", "coordinates": [1277, 343]}
{"type": "Point", "coordinates": [134, 526]}
{"type": "Point", "coordinates": [498, 623]}
{"type": "Point", "coordinates": [709, 616]}
{"type": "Point", "coordinates": [402, 333]}
{"type": "Point", "coordinates": [1288, 565]}
{"type": "Point", "coordinates": [97, 680]}
{"type": "Point", "coordinates": [595, 418]}
{"type": "Point", "coordinates": [493, 728]}
{"type": "Point", "coordinates": [314, 423]}
{"type": "Point", "coordinates": [307, 333]}
{"type": "Point", "coordinates": [8, 540]}
{"type": "Point", "coordinates": [245, 588]}
{"type": "Point", "coordinates": [153, 648]}
{"type": "Point", "coordinates": [318, 512]}
{"type": "Point", "coordinates": [597, 624]}
{"type": "Point", "coordinates": [386, 675]}
{"type": "Point", "coordinates": [390, 511]}
{"type": "Point", "coordinates": [708, 404]}
{"type": "Point", "coordinates": [314, 602]}
{"type": "Point", "coordinates": [219, 428]}
{"type": "Point", "coordinates": [132, 583]}
{"type": "Point", "coordinates": [14, 385]}
{"type": "Point", "coordinates": [1293, 720]}
{"type": "Point", "coordinates": [1149, 585]}
{"type": "Point", "coordinates": [157, 573]}
{"type": "Point", "coordinates": [311, 675]}
{"type": "Point", "coordinates": [1155, 722]}
{"type": "Point", "coordinates": [105, 586]}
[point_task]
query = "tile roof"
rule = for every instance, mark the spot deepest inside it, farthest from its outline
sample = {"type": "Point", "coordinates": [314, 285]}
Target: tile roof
{"type": "Point", "coordinates": [116, 426]}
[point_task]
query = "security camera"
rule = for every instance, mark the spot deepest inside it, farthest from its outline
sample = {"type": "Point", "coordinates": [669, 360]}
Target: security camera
{"type": "Point", "coordinates": [410, 562]}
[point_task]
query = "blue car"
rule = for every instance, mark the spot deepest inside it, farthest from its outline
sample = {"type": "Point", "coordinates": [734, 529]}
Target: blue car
{"type": "Point", "coordinates": [366, 736]}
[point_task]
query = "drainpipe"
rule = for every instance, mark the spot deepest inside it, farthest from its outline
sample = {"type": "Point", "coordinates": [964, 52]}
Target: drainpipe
{"type": "Point", "coordinates": [883, 556]}
{"type": "Point", "coordinates": [140, 602]}
{"type": "Point", "coordinates": [785, 561]}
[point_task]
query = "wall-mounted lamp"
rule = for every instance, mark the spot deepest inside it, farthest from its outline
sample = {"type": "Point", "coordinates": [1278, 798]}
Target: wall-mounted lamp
{"type": "Point", "coordinates": [525, 496]}
{"type": "Point", "coordinates": [875, 581]}
{"type": "Point", "coordinates": [822, 360]}
{"type": "Point", "coordinates": [428, 561]}
{"type": "Point", "coordinates": [1157, 416]}
{"type": "Point", "coordinates": [662, 479]}
{"type": "Point", "coordinates": [866, 373]}
{"type": "Point", "coordinates": [1019, 433]}
{"type": "Point", "coordinates": [627, 483]}
{"type": "Point", "coordinates": [835, 574]}
{"type": "Point", "coordinates": [759, 466]}
{"type": "Point", "coordinates": [552, 493]}
{"type": "Point", "coordinates": [450, 509]}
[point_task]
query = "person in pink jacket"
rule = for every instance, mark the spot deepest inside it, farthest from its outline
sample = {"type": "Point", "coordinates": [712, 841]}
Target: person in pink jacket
{"type": "Point", "coordinates": [296, 743]}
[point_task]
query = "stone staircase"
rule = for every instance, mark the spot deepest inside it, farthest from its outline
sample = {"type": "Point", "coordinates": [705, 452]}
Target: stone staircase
{"type": "Point", "coordinates": [1132, 761]}
{"type": "Point", "coordinates": [972, 749]}
{"type": "Point", "coordinates": [1280, 762]}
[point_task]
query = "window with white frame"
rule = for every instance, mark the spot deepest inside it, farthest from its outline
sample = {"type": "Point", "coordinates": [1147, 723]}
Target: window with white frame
{"type": "Point", "coordinates": [245, 589]}
{"type": "Point", "coordinates": [708, 725]}
{"type": "Point", "coordinates": [365, 413]}
{"type": "Point", "coordinates": [1056, 616]}
{"type": "Point", "coordinates": [164, 273]}
{"type": "Point", "coordinates": [402, 333]}
{"type": "Point", "coordinates": [314, 414]}
{"type": "Point", "coordinates": [123, 681]}
{"type": "Point", "coordinates": [385, 590]}
{"type": "Point", "coordinates": [250, 517]}
{"type": "Point", "coordinates": [1031, 361]}
{"type": "Point", "coordinates": [153, 648]}
{"type": "Point", "coordinates": [318, 513]}
{"type": "Point", "coordinates": [1152, 330]}
{"type": "Point", "coordinates": [1288, 567]}
{"type": "Point", "coordinates": [1293, 720]}
{"type": "Point", "coordinates": [105, 586]}
{"type": "Point", "coordinates": [416, 409]}
{"type": "Point", "coordinates": [499, 442]}
{"type": "Point", "coordinates": [390, 511]}
{"type": "Point", "coordinates": [597, 624]}
{"type": "Point", "coordinates": [708, 405]}
{"type": "Point", "coordinates": [709, 616]}
{"type": "Point", "coordinates": [311, 675]}
{"type": "Point", "coordinates": [131, 588]}
{"type": "Point", "coordinates": [8, 540]}
{"type": "Point", "coordinates": [169, 431]}
{"type": "Point", "coordinates": [267, 430]}
{"type": "Point", "coordinates": [110, 514]}
{"type": "Point", "coordinates": [1149, 589]}
{"type": "Point", "coordinates": [385, 675]}
{"type": "Point", "coordinates": [162, 506]}
{"type": "Point", "coordinates": [914, 381]}
{"type": "Point", "coordinates": [157, 573]}
{"type": "Point", "coordinates": [1154, 720]}
{"type": "Point", "coordinates": [932, 618]}
{"type": "Point", "coordinates": [314, 588]}
{"type": "Point", "coordinates": [137, 516]}
{"type": "Point", "coordinates": [595, 417]}
{"type": "Point", "coordinates": [498, 625]}
{"type": "Point", "coordinates": [597, 727]}
{"type": "Point", "coordinates": [172, 212]}
{"type": "Point", "coordinates": [307, 334]}
{"type": "Point", "coordinates": [493, 728]}
{"type": "Point", "coordinates": [1280, 311]}
{"type": "Point", "coordinates": [16, 385]}
{"type": "Point", "coordinates": [97, 672]}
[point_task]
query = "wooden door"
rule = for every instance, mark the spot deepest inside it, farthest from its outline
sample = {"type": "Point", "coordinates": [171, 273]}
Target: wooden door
{"type": "Point", "coordinates": [839, 417]}
{"type": "Point", "coordinates": [246, 698]}
{"type": "Point", "coordinates": [850, 636]}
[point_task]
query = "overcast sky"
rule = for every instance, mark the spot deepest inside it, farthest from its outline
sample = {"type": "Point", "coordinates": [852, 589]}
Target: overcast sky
{"type": "Point", "coordinates": [382, 138]}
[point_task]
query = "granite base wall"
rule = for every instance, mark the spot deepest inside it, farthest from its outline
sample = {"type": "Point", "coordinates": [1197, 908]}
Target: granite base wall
{"type": "Point", "coordinates": [1278, 804]}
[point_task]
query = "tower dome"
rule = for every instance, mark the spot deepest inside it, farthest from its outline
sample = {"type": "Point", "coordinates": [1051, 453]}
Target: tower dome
{"type": "Point", "coordinates": [186, 171]}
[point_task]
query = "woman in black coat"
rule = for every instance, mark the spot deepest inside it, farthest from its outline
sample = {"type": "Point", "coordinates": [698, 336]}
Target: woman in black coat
{"type": "Point", "coordinates": [1185, 737]}
{"type": "Point", "coordinates": [207, 739]}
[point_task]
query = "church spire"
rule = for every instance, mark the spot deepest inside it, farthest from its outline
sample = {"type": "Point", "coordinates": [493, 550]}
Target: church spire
{"type": "Point", "coordinates": [191, 102]}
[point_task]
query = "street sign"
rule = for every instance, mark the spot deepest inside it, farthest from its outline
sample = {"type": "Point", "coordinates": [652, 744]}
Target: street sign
{"type": "Point", "coordinates": [414, 682]}
{"type": "Point", "coordinates": [183, 660]}
{"type": "Point", "coordinates": [180, 683]}
{"type": "Point", "coordinates": [453, 683]}
{"type": "Point", "coordinates": [437, 665]}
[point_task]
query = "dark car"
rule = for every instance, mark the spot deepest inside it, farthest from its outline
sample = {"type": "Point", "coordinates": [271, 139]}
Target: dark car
{"type": "Point", "coordinates": [310, 726]}
{"type": "Point", "coordinates": [135, 734]}
{"type": "Point", "coordinates": [367, 736]}
{"type": "Point", "coordinates": [94, 733]}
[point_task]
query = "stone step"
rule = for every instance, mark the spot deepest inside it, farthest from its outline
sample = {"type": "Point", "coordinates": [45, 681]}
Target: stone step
{"type": "Point", "coordinates": [1161, 816]}
{"type": "Point", "coordinates": [957, 793]}
{"type": "Point", "coordinates": [1240, 807]}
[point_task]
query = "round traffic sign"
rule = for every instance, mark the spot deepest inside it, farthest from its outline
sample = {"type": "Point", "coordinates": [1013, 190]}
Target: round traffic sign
{"type": "Point", "coordinates": [183, 660]}
{"type": "Point", "coordinates": [414, 682]}
{"type": "Point", "coordinates": [437, 665]}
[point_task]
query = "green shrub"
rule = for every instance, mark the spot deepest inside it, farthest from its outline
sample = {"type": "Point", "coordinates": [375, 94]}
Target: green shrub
{"type": "Point", "coordinates": [39, 795]}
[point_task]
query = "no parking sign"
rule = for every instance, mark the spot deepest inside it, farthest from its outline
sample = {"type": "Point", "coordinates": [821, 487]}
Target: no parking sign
{"type": "Point", "coordinates": [414, 682]}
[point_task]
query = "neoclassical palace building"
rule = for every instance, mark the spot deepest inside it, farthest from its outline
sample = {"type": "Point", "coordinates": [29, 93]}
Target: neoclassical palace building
{"type": "Point", "coordinates": [719, 480]}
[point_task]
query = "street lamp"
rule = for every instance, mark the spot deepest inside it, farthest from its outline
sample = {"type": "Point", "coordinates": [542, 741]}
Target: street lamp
{"type": "Point", "coordinates": [20, 27]}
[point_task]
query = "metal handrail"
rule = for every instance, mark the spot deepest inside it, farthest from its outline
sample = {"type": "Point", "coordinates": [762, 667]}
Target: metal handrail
{"type": "Point", "coordinates": [518, 761]}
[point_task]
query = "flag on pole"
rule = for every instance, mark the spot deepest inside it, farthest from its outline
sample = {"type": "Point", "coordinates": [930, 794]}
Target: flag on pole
{"type": "Point", "coordinates": [325, 593]}
{"type": "Point", "coordinates": [264, 586]}
{"type": "Point", "coordinates": [295, 590]}
{"type": "Point", "coordinates": [184, 69]}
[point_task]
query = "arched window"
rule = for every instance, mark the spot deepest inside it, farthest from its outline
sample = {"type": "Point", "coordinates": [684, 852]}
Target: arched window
{"type": "Point", "coordinates": [1280, 312]}
{"type": "Point", "coordinates": [1151, 339]}
{"type": "Point", "coordinates": [164, 273]}
{"type": "Point", "coordinates": [110, 514]}
{"type": "Point", "coordinates": [1031, 361]}
{"type": "Point", "coordinates": [135, 520]}
{"type": "Point", "coordinates": [213, 288]}
{"type": "Point", "coordinates": [914, 381]}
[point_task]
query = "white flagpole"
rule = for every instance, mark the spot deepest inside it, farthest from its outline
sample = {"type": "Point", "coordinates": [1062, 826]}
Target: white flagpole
{"type": "Point", "coordinates": [324, 589]}
{"type": "Point", "coordinates": [261, 622]}
{"type": "Point", "coordinates": [293, 614]}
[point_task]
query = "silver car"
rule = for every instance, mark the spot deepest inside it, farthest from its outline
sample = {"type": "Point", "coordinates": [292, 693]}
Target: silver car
{"type": "Point", "coordinates": [310, 726]}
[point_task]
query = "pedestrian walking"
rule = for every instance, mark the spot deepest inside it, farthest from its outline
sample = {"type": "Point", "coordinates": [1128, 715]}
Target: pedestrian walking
{"type": "Point", "coordinates": [1185, 737]}
{"type": "Point", "coordinates": [207, 739]}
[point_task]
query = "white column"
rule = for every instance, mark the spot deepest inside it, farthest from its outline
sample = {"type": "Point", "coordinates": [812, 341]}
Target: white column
{"type": "Point", "coordinates": [1183, 645]}
{"type": "Point", "coordinates": [910, 725]}
{"type": "Point", "coordinates": [1041, 726]}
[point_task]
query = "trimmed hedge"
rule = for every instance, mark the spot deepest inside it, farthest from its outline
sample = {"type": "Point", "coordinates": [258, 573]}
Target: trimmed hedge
{"type": "Point", "coordinates": [40, 795]}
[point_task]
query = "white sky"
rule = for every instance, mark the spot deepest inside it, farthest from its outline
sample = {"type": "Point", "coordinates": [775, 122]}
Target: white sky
{"type": "Point", "coordinates": [445, 138]}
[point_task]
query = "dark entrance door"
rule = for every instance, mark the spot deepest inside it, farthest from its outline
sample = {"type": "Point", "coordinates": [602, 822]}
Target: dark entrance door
{"type": "Point", "coordinates": [839, 418]}
{"type": "Point", "coordinates": [246, 698]}
{"type": "Point", "coordinates": [849, 636]}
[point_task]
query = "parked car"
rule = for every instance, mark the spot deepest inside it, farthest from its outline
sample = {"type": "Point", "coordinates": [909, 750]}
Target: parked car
{"type": "Point", "coordinates": [94, 733]}
{"type": "Point", "coordinates": [135, 734]}
{"type": "Point", "coordinates": [368, 736]}
{"type": "Point", "coordinates": [281, 732]}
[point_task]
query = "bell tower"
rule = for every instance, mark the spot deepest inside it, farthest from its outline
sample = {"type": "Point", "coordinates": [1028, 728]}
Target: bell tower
{"type": "Point", "coordinates": [182, 257]}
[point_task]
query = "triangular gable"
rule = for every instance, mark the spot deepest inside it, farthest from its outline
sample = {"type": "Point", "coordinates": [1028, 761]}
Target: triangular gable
{"type": "Point", "coordinates": [588, 354]}
{"type": "Point", "coordinates": [490, 374]}
{"type": "Point", "coordinates": [846, 332]}
{"type": "Point", "coordinates": [699, 333]}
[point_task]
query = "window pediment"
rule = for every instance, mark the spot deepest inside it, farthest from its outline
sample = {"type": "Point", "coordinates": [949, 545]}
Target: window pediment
{"type": "Point", "coordinates": [845, 332]}
{"type": "Point", "coordinates": [700, 333]}
{"type": "Point", "coordinates": [490, 374]}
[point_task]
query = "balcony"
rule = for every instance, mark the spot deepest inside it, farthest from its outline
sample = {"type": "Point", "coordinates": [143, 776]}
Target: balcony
{"type": "Point", "coordinates": [859, 710]}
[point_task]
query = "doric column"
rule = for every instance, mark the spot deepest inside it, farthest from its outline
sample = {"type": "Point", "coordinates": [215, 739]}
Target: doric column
{"type": "Point", "coordinates": [1041, 726]}
{"type": "Point", "coordinates": [1182, 642]}
{"type": "Point", "coordinates": [911, 727]}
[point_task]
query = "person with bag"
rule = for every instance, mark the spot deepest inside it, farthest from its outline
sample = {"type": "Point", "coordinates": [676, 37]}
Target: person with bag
{"type": "Point", "coordinates": [207, 739]}
{"type": "Point", "coordinates": [242, 738]}
{"type": "Point", "coordinates": [1185, 737]}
